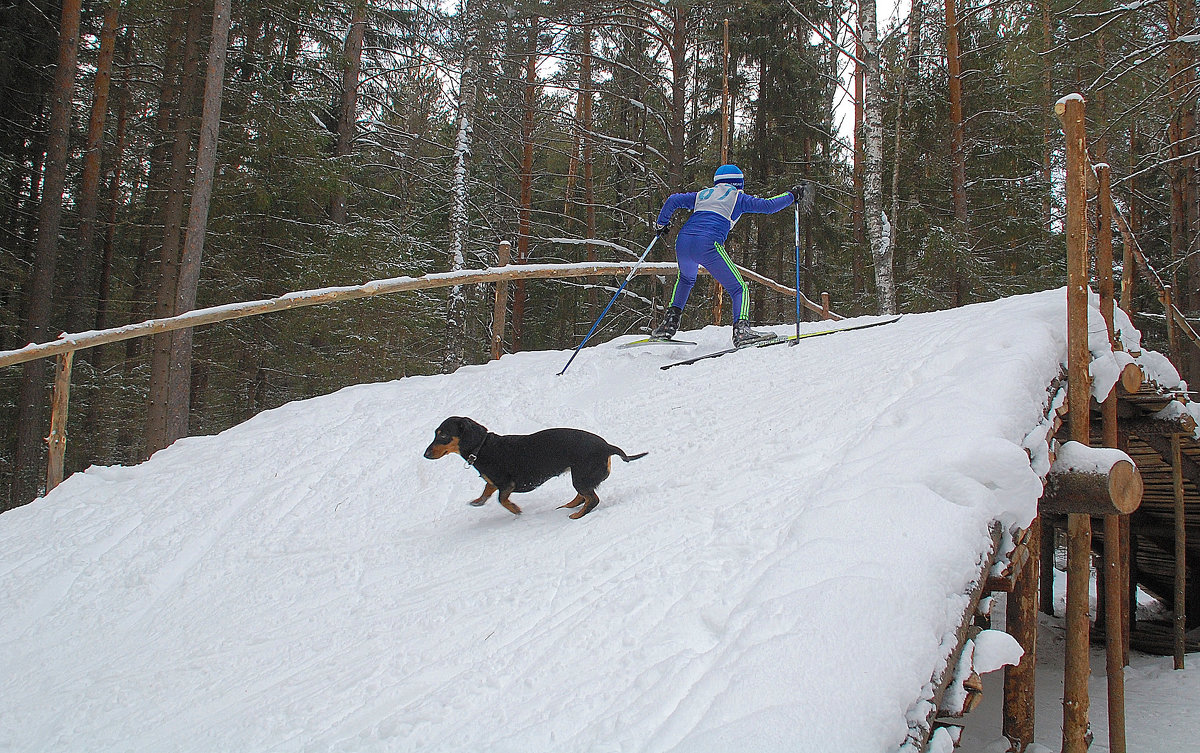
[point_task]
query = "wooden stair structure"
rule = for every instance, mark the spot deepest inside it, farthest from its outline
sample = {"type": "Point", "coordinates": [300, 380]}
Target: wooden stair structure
{"type": "Point", "coordinates": [1149, 420]}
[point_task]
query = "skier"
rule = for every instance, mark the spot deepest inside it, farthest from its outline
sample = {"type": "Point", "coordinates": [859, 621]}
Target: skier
{"type": "Point", "coordinates": [701, 243]}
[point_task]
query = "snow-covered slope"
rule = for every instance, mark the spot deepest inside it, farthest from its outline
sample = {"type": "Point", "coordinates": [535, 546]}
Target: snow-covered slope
{"type": "Point", "coordinates": [784, 570]}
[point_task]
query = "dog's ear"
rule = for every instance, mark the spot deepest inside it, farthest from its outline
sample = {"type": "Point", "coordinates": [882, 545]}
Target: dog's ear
{"type": "Point", "coordinates": [472, 431]}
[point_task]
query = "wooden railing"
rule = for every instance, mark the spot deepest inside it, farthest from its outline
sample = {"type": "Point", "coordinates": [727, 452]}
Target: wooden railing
{"type": "Point", "coordinates": [65, 346]}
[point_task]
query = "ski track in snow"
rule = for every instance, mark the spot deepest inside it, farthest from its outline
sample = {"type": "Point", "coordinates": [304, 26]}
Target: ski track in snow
{"type": "Point", "coordinates": [779, 573]}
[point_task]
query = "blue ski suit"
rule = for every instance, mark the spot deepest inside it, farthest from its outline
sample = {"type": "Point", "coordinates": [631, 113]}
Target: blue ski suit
{"type": "Point", "coordinates": [701, 240]}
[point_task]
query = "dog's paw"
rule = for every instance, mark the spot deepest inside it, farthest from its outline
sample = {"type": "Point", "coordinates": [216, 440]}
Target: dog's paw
{"type": "Point", "coordinates": [477, 502]}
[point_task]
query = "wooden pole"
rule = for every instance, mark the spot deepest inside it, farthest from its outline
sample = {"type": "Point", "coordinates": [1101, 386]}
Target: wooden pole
{"type": "Point", "coordinates": [500, 312]}
{"type": "Point", "coordinates": [1168, 302]}
{"type": "Point", "coordinates": [1128, 261]}
{"type": "Point", "coordinates": [1021, 617]}
{"type": "Point", "coordinates": [57, 440]}
{"type": "Point", "coordinates": [1180, 552]}
{"type": "Point", "coordinates": [1079, 526]}
{"type": "Point", "coordinates": [1112, 579]}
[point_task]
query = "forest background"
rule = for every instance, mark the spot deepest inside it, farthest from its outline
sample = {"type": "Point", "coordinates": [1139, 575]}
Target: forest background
{"type": "Point", "coordinates": [162, 155]}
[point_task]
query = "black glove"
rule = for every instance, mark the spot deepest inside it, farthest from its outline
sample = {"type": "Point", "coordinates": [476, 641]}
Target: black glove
{"type": "Point", "coordinates": [803, 196]}
{"type": "Point", "coordinates": [662, 231]}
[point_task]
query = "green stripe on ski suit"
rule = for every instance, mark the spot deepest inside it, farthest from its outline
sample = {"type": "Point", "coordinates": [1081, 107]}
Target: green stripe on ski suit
{"type": "Point", "coordinates": [745, 312]}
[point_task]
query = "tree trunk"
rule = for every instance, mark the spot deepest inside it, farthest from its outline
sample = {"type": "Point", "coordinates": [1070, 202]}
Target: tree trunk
{"type": "Point", "coordinates": [678, 52]}
{"type": "Point", "coordinates": [525, 218]}
{"type": "Point", "coordinates": [40, 289]}
{"type": "Point", "coordinates": [169, 257]}
{"type": "Point", "coordinates": [907, 74]}
{"type": "Point", "coordinates": [348, 114]}
{"type": "Point", "coordinates": [1047, 125]}
{"type": "Point", "coordinates": [858, 209]}
{"type": "Point", "coordinates": [94, 357]}
{"type": "Point", "coordinates": [89, 188]}
{"type": "Point", "coordinates": [589, 191]}
{"type": "Point", "coordinates": [456, 308]}
{"type": "Point", "coordinates": [1184, 254]}
{"type": "Point", "coordinates": [193, 243]}
{"type": "Point", "coordinates": [958, 159]}
{"type": "Point", "coordinates": [881, 252]}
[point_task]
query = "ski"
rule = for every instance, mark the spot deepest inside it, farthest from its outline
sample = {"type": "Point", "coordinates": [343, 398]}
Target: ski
{"type": "Point", "coordinates": [778, 340]}
{"type": "Point", "coordinates": [654, 341]}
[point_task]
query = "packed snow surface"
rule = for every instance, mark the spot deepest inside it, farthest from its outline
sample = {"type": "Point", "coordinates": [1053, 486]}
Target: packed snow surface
{"type": "Point", "coordinates": [784, 571]}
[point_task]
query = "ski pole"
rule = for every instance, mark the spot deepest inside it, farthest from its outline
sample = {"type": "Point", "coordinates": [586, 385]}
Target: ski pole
{"type": "Point", "coordinates": [610, 303]}
{"type": "Point", "coordinates": [797, 205]}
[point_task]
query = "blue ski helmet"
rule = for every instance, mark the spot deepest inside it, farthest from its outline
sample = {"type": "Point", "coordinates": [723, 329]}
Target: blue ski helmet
{"type": "Point", "coordinates": [729, 174]}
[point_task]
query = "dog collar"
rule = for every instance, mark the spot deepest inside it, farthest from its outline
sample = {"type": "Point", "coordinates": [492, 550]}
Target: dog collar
{"type": "Point", "coordinates": [471, 458]}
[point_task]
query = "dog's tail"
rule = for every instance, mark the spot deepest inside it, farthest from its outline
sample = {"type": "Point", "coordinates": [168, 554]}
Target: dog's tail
{"type": "Point", "coordinates": [627, 458]}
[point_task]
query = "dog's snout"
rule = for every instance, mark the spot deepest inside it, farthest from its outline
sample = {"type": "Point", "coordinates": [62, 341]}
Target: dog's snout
{"type": "Point", "coordinates": [436, 450]}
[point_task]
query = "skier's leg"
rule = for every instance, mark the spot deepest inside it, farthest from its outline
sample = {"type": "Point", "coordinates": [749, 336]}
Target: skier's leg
{"type": "Point", "coordinates": [689, 266]}
{"type": "Point", "coordinates": [688, 269]}
{"type": "Point", "coordinates": [722, 268]}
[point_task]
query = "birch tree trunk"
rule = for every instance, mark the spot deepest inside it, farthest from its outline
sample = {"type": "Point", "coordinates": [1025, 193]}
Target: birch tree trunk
{"type": "Point", "coordinates": [348, 114]}
{"type": "Point", "coordinates": [456, 308]}
{"type": "Point", "coordinates": [193, 244]}
{"type": "Point", "coordinates": [39, 292]}
{"type": "Point", "coordinates": [881, 250]}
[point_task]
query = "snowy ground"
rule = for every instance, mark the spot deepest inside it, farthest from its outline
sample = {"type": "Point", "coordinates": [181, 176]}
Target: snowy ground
{"type": "Point", "coordinates": [784, 571]}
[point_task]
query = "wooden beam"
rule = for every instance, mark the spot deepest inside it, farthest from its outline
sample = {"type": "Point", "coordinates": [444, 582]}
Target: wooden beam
{"type": "Point", "coordinates": [1149, 426]}
{"type": "Point", "coordinates": [228, 312]}
{"type": "Point", "coordinates": [1131, 379]}
{"type": "Point", "coordinates": [1189, 468]}
{"type": "Point", "coordinates": [1091, 482]}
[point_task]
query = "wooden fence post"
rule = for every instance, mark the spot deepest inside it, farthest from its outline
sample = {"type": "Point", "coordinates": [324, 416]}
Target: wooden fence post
{"type": "Point", "coordinates": [825, 305]}
{"type": "Point", "coordinates": [1079, 526]}
{"type": "Point", "coordinates": [1021, 620]}
{"type": "Point", "coordinates": [57, 440]}
{"type": "Point", "coordinates": [500, 312]}
{"type": "Point", "coordinates": [1168, 302]}
{"type": "Point", "coordinates": [1112, 580]}
{"type": "Point", "coordinates": [1180, 550]}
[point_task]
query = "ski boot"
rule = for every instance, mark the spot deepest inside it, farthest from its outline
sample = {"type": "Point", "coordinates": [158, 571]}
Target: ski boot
{"type": "Point", "coordinates": [743, 335]}
{"type": "Point", "coordinates": [670, 324]}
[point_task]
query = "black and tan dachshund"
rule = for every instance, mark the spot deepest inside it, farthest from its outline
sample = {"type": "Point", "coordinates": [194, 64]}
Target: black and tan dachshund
{"type": "Point", "coordinates": [523, 462]}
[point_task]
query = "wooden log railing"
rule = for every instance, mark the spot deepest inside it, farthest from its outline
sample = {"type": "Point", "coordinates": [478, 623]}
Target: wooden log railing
{"type": "Point", "coordinates": [65, 345]}
{"type": "Point", "coordinates": [228, 312]}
